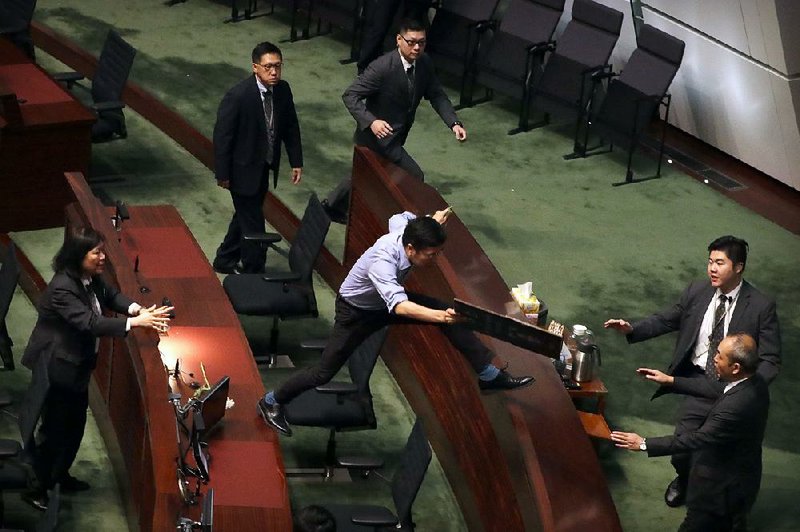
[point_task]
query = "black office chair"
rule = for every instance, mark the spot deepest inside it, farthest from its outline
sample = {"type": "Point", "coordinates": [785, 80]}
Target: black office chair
{"type": "Point", "coordinates": [300, 11]}
{"type": "Point", "coordinates": [15, 24]}
{"type": "Point", "coordinates": [507, 61]}
{"type": "Point", "coordinates": [455, 36]}
{"type": "Point", "coordinates": [633, 98]}
{"type": "Point", "coordinates": [585, 46]}
{"type": "Point", "coordinates": [345, 14]}
{"type": "Point", "coordinates": [284, 295]}
{"type": "Point", "coordinates": [15, 471]}
{"type": "Point", "coordinates": [9, 276]}
{"type": "Point", "coordinates": [405, 485]}
{"type": "Point", "coordinates": [113, 68]}
{"type": "Point", "coordinates": [340, 406]}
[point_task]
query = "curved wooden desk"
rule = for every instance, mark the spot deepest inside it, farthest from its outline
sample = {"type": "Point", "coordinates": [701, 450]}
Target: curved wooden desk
{"type": "Point", "coordinates": [516, 460]}
{"type": "Point", "coordinates": [130, 386]}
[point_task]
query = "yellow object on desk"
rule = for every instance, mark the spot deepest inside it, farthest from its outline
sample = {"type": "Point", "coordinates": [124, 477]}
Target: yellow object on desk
{"type": "Point", "coordinates": [528, 303]}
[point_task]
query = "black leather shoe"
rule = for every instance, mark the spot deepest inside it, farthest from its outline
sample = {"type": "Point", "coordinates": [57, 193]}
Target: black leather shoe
{"type": "Point", "coordinates": [37, 499]}
{"type": "Point", "coordinates": [676, 493]}
{"type": "Point", "coordinates": [274, 417]}
{"type": "Point", "coordinates": [335, 215]}
{"type": "Point", "coordinates": [226, 269]}
{"type": "Point", "coordinates": [505, 381]}
{"type": "Point", "coordinates": [72, 484]}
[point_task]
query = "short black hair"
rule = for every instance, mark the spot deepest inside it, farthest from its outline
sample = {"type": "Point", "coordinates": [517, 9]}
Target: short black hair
{"type": "Point", "coordinates": [265, 47]}
{"type": "Point", "coordinates": [77, 243]}
{"type": "Point", "coordinates": [734, 248]}
{"type": "Point", "coordinates": [314, 518]}
{"type": "Point", "coordinates": [423, 233]}
{"type": "Point", "coordinates": [410, 24]}
{"type": "Point", "coordinates": [744, 352]}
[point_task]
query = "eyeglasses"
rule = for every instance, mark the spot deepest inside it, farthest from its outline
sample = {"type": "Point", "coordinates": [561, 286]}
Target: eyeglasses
{"type": "Point", "coordinates": [412, 43]}
{"type": "Point", "coordinates": [270, 66]}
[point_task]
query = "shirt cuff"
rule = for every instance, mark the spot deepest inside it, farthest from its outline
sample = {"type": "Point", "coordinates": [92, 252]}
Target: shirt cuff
{"type": "Point", "coordinates": [128, 325]}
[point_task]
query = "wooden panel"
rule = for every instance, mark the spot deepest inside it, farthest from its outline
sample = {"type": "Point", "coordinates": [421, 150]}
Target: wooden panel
{"type": "Point", "coordinates": [136, 417]}
{"type": "Point", "coordinates": [494, 491]}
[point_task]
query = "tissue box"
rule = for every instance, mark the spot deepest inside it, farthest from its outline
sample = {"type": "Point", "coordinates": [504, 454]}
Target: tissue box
{"type": "Point", "coordinates": [529, 304]}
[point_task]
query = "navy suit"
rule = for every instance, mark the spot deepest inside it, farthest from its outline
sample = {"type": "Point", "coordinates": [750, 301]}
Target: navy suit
{"type": "Point", "coordinates": [65, 333]}
{"type": "Point", "coordinates": [755, 314]}
{"type": "Point", "coordinates": [240, 157]}
{"type": "Point", "coordinates": [726, 473]}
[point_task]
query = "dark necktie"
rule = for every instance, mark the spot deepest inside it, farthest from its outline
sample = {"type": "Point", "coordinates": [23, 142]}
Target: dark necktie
{"type": "Point", "coordinates": [268, 119]}
{"type": "Point", "coordinates": [410, 74]}
{"type": "Point", "coordinates": [717, 333]}
{"type": "Point", "coordinates": [93, 301]}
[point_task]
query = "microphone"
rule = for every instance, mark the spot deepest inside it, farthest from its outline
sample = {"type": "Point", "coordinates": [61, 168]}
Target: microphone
{"type": "Point", "coordinates": [165, 302]}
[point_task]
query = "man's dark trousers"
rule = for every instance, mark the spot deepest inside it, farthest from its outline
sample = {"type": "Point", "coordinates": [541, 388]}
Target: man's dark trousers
{"type": "Point", "coordinates": [353, 325]}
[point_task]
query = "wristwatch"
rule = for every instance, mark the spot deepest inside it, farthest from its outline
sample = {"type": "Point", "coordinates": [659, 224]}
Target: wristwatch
{"type": "Point", "coordinates": [643, 445]}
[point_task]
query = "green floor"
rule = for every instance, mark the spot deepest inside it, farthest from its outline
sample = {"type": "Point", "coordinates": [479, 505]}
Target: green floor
{"type": "Point", "coordinates": [592, 251]}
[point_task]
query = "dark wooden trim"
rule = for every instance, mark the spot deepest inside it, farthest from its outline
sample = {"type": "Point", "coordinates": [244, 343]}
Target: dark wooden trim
{"type": "Point", "coordinates": [30, 280]}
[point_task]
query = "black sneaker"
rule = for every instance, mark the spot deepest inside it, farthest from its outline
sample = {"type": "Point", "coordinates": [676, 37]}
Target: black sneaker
{"type": "Point", "coordinates": [226, 269]}
{"type": "Point", "coordinates": [38, 499]}
{"type": "Point", "coordinates": [505, 381]}
{"type": "Point", "coordinates": [71, 484]}
{"type": "Point", "coordinates": [273, 416]}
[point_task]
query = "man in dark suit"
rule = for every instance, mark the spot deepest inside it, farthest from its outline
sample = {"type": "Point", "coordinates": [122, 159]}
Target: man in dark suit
{"type": "Point", "coordinates": [384, 101]}
{"type": "Point", "coordinates": [254, 119]}
{"type": "Point", "coordinates": [726, 472]}
{"type": "Point", "coordinates": [705, 313]}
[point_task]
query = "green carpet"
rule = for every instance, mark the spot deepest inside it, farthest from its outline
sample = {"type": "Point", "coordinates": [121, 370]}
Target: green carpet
{"type": "Point", "coordinates": [592, 251]}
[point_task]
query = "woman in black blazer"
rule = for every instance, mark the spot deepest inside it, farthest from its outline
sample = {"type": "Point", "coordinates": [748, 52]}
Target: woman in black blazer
{"type": "Point", "coordinates": [71, 319]}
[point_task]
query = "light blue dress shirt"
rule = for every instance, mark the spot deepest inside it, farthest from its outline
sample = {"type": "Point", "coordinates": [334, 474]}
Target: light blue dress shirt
{"type": "Point", "coordinates": [375, 281]}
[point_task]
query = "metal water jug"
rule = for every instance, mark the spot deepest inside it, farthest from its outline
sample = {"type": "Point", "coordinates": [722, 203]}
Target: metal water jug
{"type": "Point", "coordinates": [586, 358]}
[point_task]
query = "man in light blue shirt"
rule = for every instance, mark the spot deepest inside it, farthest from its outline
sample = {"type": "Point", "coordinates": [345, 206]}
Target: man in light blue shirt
{"type": "Point", "coordinates": [372, 296]}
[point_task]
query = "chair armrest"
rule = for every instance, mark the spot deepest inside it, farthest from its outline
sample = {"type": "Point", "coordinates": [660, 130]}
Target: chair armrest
{"type": "Point", "coordinates": [359, 462]}
{"type": "Point", "coordinates": [337, 387]}
{"type": "Point", "coordinates": [314, 344]}
{"type": "Point", "coordinates": [541, 47]}
{"type": "Point", "coordinates": [9, 448]}
{"type": "Point", "coordinates": [597, 76]}
{"type": "Point", "coordinates": [281, 277]}
{"type": "Point", "coordinates": [67, 77]}
{"type": "Point", "coordinates": [107, 106]}
{"type": "Point", "coordinates": [263, 238]}
{"type": "Point", "coordinates": [483, 25]}
{"type": "Point", "coordinates": [593, 70]}
{"type": "Point", "coordinates": [376, 516]}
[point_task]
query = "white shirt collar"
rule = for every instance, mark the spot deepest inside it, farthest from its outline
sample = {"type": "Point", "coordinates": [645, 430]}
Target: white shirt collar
{"type": "Point", "coordinates": [733, 294]}
{"type": "Point", "coordinates": [261, 87]}
{"type": "Point", "coordinates": [733, 383]}
{"type": "Point", "coordinates": [406, 64]}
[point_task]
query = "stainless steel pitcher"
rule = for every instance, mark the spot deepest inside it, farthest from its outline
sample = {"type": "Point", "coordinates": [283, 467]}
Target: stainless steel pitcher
{"type": "Point", "coordinates": [585, 362]}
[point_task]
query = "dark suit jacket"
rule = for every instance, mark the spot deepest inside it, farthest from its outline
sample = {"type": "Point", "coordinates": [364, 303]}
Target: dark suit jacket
{"type": "Point", "coordinates": [67, 328]}
{"type": "Point", "coordinates": [726, 471]}
{"type": "Point", "coordinates": [240, 135]}
{"type": "Point", "coordinates": [755, 314]}
{"type": "Point", "coordinates": [381, 93]}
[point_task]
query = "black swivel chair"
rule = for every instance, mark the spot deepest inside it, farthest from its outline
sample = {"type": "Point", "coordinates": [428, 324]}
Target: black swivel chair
{"type": "Point", "coordinates": [340, 406]}
{"type": "Point", "coordinates": [15, 24]}
{"type": "Point", "coordinates": [9, 275]}
{"type": "Point", "coordinates": [507, 61]}
{"type": "Point", "coordinates": [454, 37]}
{"type": "Point", "coordinates": [564, 85]}
{"type": "Point", "coordinates": [113, 68]}
{"type": "Point", "coordinates": [346, 14]}
{"type": "Point", "coordinates": [284, 295]}
{"type": "Point", "coordinates": [405, 484]}
{"type": "Point", "coordinates": [15, 473]}
{"type": "Point", "coordinates": [635, 95]}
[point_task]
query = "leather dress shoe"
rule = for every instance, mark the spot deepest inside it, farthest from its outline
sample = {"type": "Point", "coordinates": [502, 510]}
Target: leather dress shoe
{"type": "Point", "coordinates": [273, 415]}
{"type": "Point", "coordinates": [72, 484]}
{"type": "Point", "coordinates": [676, 493]}
{"type": "Point", "coordinates": [505, 381]}
{"type": "Point", "coordinates": [335, 215]}
{"type": "Point", "coordinates": [37, 499]}
{"type": "Point", "coordinates": [226, 269]}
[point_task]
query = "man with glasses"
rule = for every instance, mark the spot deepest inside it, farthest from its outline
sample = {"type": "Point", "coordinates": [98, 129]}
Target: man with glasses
{"type": "Point", "coordinates": [372, 296]}
{"type": "Point", "coordinates": [384, 101]}
{"type": "Point", "coordinates": [255, 118]}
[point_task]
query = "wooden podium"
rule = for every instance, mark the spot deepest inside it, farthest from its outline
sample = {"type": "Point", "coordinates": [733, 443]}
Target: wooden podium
{"type": "Point", "coordinates": [129, 394]}
{"type": "Point", "coordinates": [516, 460]}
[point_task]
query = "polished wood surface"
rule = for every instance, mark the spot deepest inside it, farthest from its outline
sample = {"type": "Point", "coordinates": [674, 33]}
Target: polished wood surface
{"type": "Point", "coordinates": [44, 131]}
{"type": "Point", "coordinates": [477, 436]}
{"type": "Point", "coordinates": [131, 386]}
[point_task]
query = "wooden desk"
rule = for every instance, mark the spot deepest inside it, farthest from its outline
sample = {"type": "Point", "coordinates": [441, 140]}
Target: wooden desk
{"type": "Point", "coordinates": [516, 460]}
{"type": "Point", "coordinates": [44, 131]}
{"type": "Point", "coordinates": [130, 385]}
